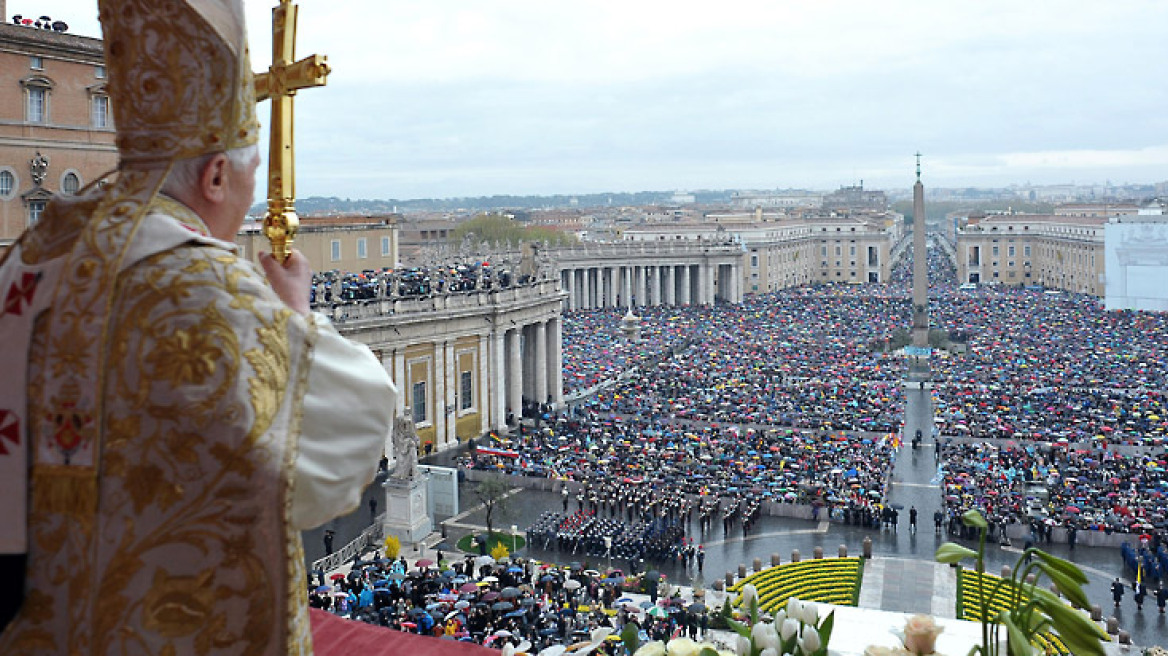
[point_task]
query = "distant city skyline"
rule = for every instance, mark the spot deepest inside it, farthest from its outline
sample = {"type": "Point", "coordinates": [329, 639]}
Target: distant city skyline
{"type": "Point", "coordinates": [442, 99]}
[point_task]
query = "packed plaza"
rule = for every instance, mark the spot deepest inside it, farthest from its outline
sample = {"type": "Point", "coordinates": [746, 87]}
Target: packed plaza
{"type": "Point", "coordinates": [1049, 417]}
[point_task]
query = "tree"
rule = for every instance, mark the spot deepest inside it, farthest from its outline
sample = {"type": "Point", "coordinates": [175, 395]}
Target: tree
{"type": "Point", "coordinates": [497, 228]}
{"type": "Point", "coordinates": [492, 493]}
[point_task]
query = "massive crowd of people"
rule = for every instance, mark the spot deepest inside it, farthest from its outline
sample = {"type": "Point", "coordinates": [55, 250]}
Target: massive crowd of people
{"type": "Point", "coordinates": [337, 288]}
{"type": "Point", "coordinates": [1051, 414]}
{"type": "Point", "coordinates": [692, 474]}
{"type": "Point", "coordinates": [1067, 394]}
{"type": "Point", "coordinates": [521, 602]}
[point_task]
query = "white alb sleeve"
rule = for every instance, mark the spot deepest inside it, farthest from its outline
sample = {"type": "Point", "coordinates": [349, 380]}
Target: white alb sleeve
{"type": "Point", "coordinates": [347, 419]}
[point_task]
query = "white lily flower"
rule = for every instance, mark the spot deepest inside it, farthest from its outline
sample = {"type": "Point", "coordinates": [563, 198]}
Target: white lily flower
{"type": "Point", "coordinates": [789, 629]}
{"type": "Point", "coordinates": [682, 647]}
{"type": "Point", "coordinates": [655, 648]}
{"type": "Point", "coordinates": [749, 595]}
{"type": "Point", "coordinates": [764, 635]}
{"type": "Point", "coordinates": [742, 646]}
{"type": "Point", "coordinates": [810, 639]}
{"type": "Point", "coordinates": [794, 608]}
{"type": "Point", "coordinates": [769, 651]}
{"type": "Point", "coordinates": [810, 613]}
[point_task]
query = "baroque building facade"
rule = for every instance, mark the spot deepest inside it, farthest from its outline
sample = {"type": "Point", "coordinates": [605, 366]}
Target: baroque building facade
{"type": "Point", "coordinates": [780, 249]}
{"type": "Point", "coordinates": [1056, 251]}
{"type": "Point", "coordinates": [56, 127]}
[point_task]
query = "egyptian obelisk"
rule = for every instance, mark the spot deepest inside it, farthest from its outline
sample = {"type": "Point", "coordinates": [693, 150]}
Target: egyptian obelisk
{"type": "Point", "coordinates": [918, 386]}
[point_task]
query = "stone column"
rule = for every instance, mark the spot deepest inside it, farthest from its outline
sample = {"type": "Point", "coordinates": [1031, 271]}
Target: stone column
{"type": "Point", "coordinates": [528, 362]}
{"type": "Point", "coordinates": [710, 271]}
{"type": "Point", "coordinates": [555, 364]}
{"type": "Point", "coordinates": [399, 379]}
{"type": "Point", "coordinates": [703, 279]}
{"type": "Point", "coordinates": [670, 282]}
{"type": "Point", "coordinates": [605, 287]}
{"type": "Point", "coordinates": [481, 399]}
{"type": "Point", "coordinates": [685, 286]}
{"type": "Point", "coordinates": [514, 373]}
{"type": "Point", "coordinates": [540, 393]}
{"type": "Point", "coordinates": [438, 383]}
{"type": "Point", "coordinates": [451, 406]}
{"type": "Point", "coordinates": [656, 287]}
{"type": "Point", "coordinates": [626, 286]}
{"type": "Point", "coordinates": [580, 288]}
{"type": "Point", "coordinates": [499, 377]}
{"type": "Point", "coordinates": [569, 287]}
{"type": "Point", "coordinates": [639, 274]}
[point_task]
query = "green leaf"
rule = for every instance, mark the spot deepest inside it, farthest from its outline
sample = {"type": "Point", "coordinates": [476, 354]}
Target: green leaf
{"type": "Point", "coordinates": [708, 651]}
{"type": "Point", "coordinates": [973, 518]}
{"type": "Point", "coordinates": [630, 638]}
{"type": "Point", "coordinates": [1069, 589]}
{"type": "Point", "coordinates": [1018, 640]}
{"type": "Point", "coordinates": [1068, 569]}
{"type": "Point", "coordinates": [825, 628]}
{"type": "Point", "coordinates": [739, 628]}
{"type": "Point", "coordinates": [951, 552]}
{"type": "Point", "coordinates": [1081, 634]}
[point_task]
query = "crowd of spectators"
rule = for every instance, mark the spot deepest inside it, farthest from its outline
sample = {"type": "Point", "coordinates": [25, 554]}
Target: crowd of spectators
{"type": "Point", "coordinates": [520, 602]}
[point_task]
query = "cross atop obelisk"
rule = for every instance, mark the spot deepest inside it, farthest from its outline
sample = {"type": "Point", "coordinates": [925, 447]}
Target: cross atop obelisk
{"type": "Point", "coordinates": [283, 79]}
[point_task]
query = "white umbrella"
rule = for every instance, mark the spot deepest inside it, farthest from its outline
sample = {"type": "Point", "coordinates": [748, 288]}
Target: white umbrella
{"type": "Point", "coordinates": [571, 584]}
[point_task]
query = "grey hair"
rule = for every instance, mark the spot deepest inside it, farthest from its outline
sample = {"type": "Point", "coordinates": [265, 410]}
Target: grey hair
{"type": "Point", "coordinates": [184, 174]}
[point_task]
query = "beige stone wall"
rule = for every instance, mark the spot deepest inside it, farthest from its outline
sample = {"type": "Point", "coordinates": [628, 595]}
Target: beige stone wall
{"type": "Point", "coordinates": [66, 137]}
{"type": "Point", "coordinates": [1056, 252]}
{"type": "Point", "coordinates": [316, 242]}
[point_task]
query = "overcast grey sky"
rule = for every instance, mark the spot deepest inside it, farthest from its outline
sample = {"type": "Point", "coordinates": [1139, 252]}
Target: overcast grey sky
{"type": "Point", "coordinates": [479, 97]}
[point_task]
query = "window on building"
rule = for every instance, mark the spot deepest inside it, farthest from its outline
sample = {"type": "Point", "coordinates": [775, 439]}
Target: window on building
{"type": "Point", "coordinates": [362, 251]}
{"type": "Point", "coordinates": [35, 209]}
{"type": "Point", "coordinates": [1011, 251]}
{"type": "Point", "coordinates": [36, 63]}
{"type": "Point", "coordinates": [465, 390]}
{"type": "Point", "coordinates": [1026, 251]}
{"type": "Point", "coordinates": [418, 402]}
{"type": "Point", "coordinates": [38, 100]}
{"type": "Point", "coordinates": [995, 251]}
{"type": "Point", "coordinates": [753, 260]}
{"type": "Point", "coordinates": [99, 111]}
{"type": "Point", "coordinates": [70, 184]}
{"type": "Point", "coordinates": [7, 184]}
{"type": "Point", "coordinates": [385, 247]}
{"type": "Point", "coordinates": [336, 250]}
{"type": "Point", "coordinates": [99, 72]}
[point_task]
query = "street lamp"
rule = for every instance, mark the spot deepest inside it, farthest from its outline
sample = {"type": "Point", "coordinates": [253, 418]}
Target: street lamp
{"type": "Point", "coordinates": [514, 539]}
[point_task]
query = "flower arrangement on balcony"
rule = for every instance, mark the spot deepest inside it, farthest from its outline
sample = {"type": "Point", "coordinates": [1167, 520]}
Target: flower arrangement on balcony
{"type": "Point", "coordinates": [795, 630]}
{"type": "Point", "coordinates": [1021, 609]}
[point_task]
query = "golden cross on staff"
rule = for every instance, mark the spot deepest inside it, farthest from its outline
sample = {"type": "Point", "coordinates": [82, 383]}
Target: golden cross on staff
{"type": "Point", "coordinates": [280, 84]}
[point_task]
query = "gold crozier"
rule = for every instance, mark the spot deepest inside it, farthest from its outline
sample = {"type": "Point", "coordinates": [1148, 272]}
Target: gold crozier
{"type": "Point", "coordinates": [283, 79]}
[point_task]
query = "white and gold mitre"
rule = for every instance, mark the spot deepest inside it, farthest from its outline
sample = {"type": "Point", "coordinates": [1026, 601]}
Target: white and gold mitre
{"type": "Point", "coordinates": [180, 79]}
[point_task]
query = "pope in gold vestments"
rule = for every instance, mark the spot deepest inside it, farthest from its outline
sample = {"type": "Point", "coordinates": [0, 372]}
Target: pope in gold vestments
{"type": "Point", "coordinates": [176, 424]}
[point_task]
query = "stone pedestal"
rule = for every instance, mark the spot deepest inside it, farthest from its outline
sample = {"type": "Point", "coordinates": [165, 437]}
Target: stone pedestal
{"type": "Point", "coordinates": [405, 508]}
